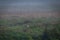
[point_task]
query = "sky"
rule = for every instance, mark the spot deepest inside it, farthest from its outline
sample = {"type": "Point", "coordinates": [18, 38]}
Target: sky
{"type": "Point", "coordinates": [28, 5]}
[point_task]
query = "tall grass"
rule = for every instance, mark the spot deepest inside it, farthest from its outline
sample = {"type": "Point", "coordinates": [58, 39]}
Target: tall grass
{"type": "Point", "coordinates": [11, 30]}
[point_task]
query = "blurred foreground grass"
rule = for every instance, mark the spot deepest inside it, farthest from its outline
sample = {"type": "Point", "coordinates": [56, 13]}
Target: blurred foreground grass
{"type": "Point", "coordinates": [29, 29]}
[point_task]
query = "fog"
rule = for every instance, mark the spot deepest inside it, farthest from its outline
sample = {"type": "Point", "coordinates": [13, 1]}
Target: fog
{"type": "Point", "coordinates": [27, 5]}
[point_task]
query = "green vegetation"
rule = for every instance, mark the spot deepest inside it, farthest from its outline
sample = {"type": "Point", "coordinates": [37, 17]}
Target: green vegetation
{"type": "Point", "coordinates": [29, 29]}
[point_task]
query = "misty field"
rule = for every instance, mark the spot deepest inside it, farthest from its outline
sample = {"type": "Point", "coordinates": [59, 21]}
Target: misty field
{"type": "Point", "coordinates": [29, 29]}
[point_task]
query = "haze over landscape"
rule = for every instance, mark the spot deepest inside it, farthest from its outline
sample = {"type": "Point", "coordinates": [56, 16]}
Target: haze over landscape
{"type": "Point", "coordinates": [29, 8]}
{"type": "Point", "coordinates": [29, 19]}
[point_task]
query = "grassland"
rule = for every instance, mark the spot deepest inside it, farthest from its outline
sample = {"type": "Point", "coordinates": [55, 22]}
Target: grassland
{"type": "Point", "coordinates": [29, 29]}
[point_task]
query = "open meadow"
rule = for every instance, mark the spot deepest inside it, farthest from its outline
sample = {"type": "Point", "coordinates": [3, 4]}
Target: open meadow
{"type": "Point", "coordinates": [19, 28]}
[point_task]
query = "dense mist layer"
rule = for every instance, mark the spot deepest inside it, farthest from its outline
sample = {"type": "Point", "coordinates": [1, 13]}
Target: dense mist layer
{"type": "Point", "coordinates": [28, 6]}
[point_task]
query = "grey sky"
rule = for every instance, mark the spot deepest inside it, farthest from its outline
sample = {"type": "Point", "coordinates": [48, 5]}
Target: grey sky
{"type": "Point", "coordinates": [27, 5]}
